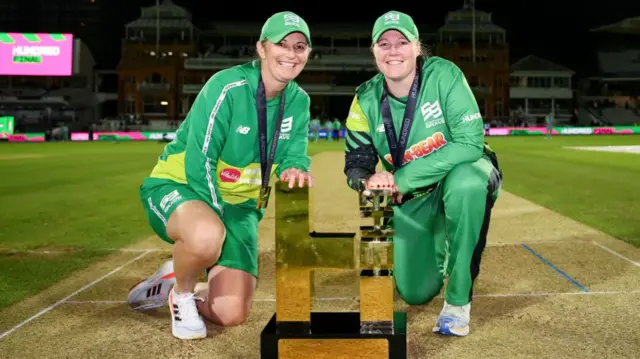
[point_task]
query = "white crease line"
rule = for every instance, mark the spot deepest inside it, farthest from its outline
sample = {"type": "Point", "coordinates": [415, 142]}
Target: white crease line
{"type": "Point", "coordinates": [141, 249]}
{"type": "Point", "coordinates": [336, 299]}
{"type": "Point", "coordinates": [616, 253]}
{"type": "Point", "coordinates": [146, 250]}
{"type": "Point", "coordinates": [63, 300]}
{"type": "Point", "coordinates": [550, 241]}
{"type": "Point", "coordinates": [95, 302]}
{"type": "Point", "coordinates": [126, 250]}
{"type": "Point", "coordinates": [550, 294]}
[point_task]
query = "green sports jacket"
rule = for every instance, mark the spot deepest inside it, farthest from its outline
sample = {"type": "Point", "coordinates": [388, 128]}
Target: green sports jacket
{"type": "Point", "coordinates": [215, 150]}
{"type": "Point", "coordinates": [446, 130]}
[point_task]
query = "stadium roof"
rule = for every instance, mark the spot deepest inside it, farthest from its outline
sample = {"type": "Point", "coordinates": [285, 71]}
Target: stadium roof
{"type": "Point", "coordinates": [627, 26]}
{"type": "Point", "coordinates": [164, 23]}
{"type": "Point", "coordinates": [171, 16]}
{"type": "Point", "coordinates": [535, 63]}
{"type": "Point", "coordinates": [463, 19]}
{"type": "Point", "coordinates": [351, 30]}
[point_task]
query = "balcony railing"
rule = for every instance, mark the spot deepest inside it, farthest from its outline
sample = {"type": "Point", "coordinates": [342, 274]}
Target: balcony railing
{"type": "Point", "coordinates": [311, 89]}
{"type": "Point", "coordinates": [327, 63]}
{"type": "Point", "coordinates": [145, 86]}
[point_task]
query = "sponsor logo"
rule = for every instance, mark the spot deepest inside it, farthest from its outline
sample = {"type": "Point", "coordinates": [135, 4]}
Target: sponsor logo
{"type": "Point", "coordinates": [287, 125]}
{"type": "Point", "coordinates": [254, 181]}
{"type": "Point", "coordinates": [604, 131]}
{"type": "Point", "coordinates": [230, 175]}
{"type": "Point", "coordinates": [169, 199]}
{"type": "Point", "coordinates": [391, 18]}
{"type": "Point", "coordinates": [577, 131]}
{"type": "Point", "coordinates": [431, 110]}
{"type": "Point", "coordinates": [433, 123]}
{"type": "Point", "coordinates": [469, 118]}
{"type": "Point", "coordinates": [355, 115]}
{"type": "Point", "coordinates": [422, 148]}
{"type": "Point", "coordinates": [291, 20]}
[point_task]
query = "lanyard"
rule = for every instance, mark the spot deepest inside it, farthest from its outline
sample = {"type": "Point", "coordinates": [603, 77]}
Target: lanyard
{"type": "Point", "coordinates": [266, 160]}
{"type": "Point", "coordinates": [397, 148]}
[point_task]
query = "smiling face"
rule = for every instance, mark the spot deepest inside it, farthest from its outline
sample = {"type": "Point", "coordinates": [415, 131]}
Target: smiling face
{"type": "Point", "coordinates": [285, 60]}
{"type": "Point", "coordinates": [395, 55]}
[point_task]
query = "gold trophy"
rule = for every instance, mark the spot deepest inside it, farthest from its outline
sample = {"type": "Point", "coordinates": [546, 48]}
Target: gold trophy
{"type": "Point", "coordinates": [376, 265]}
{"type": "Point", "coordinates": [295, 331]}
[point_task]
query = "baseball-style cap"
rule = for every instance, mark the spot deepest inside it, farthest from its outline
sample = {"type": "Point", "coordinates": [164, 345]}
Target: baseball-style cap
{"type": "Point", "coordinates": [395, 20]}
{"type": "Point", "coordinates": [279, 25]}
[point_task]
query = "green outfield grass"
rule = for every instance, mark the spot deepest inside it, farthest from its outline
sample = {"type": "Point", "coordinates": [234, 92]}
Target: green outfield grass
{"type": "Point", "coordinates": [600, 189]}
{"type": "Point", "coordinates": [81, 199]}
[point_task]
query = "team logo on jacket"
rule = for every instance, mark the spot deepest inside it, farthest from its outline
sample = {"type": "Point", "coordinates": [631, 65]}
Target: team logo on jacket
{"type": "Point", "coordinates": [230, 175]}
{"type": "Point", "coordinates": [422, 148]}
{"type": "Point", "coordinates": [285, 128]}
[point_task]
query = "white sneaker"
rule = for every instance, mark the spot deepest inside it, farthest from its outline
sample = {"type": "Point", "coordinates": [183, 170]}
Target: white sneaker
{"type": "Point", "coordinates": [153, 292]}
{"type": "Point", "coordinates": [453, 320]}
{"type": "Point", "coordinates": [186, 322]}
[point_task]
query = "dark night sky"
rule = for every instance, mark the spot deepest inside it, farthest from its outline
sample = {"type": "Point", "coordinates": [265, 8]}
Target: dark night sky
{"type": "Point", "coordinates": [556, 30]}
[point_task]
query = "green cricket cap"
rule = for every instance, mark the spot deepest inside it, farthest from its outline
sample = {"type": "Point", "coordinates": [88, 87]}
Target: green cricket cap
{"type": "Point", "coordinates": [395, 20]}
{"type": "Point", "coordinates": [279, 25]}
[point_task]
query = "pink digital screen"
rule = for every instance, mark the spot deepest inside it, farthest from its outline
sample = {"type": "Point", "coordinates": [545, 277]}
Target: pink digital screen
{"type": "Point", "coordinates": [23, 54]}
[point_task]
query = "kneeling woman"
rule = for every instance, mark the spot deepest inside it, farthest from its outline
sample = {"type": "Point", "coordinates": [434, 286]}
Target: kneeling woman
{"type": "Point", "coordinates": [420, 118]}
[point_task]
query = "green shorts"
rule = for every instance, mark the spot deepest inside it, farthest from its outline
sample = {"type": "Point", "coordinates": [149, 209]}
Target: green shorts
{"type": "Point", "coordinates": [240, 249]}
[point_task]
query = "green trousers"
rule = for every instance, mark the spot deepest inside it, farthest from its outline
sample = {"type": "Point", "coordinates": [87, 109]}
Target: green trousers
{"type": "Point", "coordinates": [443, 234]}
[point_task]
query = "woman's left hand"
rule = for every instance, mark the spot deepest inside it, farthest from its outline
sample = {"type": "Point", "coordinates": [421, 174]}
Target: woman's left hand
{"type": "Point", "coordinates": [293, 174]}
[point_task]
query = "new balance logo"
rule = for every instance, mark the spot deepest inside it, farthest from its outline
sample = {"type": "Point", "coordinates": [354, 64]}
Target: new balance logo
{"type": "Point", "coordinates": [243, 130]}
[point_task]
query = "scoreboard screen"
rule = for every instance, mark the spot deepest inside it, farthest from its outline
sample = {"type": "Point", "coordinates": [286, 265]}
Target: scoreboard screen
{"type": "Point", "coordinates": [23, 54]}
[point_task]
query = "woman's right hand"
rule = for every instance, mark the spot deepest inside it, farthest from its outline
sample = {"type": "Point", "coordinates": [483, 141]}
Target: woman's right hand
{"type": "Point", "coordinates": [381, 180]}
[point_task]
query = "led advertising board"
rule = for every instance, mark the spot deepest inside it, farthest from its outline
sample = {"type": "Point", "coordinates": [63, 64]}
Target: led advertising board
{"type": "Point", "coordinates": [23, 54]}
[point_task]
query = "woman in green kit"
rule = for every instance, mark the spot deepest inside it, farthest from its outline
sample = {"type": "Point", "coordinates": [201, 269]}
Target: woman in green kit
{"type": "Point", "coordinates": [419, 117]}
{"type": "Point", "coordinates": [205, 194]}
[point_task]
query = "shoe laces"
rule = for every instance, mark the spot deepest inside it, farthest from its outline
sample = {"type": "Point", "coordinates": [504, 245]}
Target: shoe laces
{"type": "Point", "coordinates": [454, 310]}
{"type": "Point", "coordinates": [187, 304]}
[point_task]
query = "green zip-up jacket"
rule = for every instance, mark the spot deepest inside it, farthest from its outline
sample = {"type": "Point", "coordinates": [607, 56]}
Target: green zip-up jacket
{"type": "Point", "coordinates": [216, 151]}
{"type": "Point", "coordinates": [446, 130]}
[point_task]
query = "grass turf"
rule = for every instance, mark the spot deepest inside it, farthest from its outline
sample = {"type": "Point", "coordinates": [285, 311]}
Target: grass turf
{"type": "Point", "coordinates": [82, 198]}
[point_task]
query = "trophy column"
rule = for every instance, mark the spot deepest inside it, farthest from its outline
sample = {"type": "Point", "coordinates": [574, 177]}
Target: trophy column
{"type": "Point", "coordinates": [376, 266]}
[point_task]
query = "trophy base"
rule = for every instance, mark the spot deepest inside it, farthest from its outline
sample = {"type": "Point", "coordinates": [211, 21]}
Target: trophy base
{"type": "Point", "coordinates": [334, 335]}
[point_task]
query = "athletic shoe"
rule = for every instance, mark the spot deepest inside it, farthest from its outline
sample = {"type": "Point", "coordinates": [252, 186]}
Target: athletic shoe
{"type": "Point", "coordinates": [453, 320]}
{"type": "Point", "coordinates": [153, 292]}
{"type": "Point", "coordinates": [186, 322]}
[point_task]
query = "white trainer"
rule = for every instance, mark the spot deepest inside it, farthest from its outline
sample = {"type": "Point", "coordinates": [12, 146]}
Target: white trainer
{"type": "Point", "coordinates": [186, 322]}
{"type": "Point", "coordinates": [453, 320]}
{"type": "Point", "coordinates": [153, 292]}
